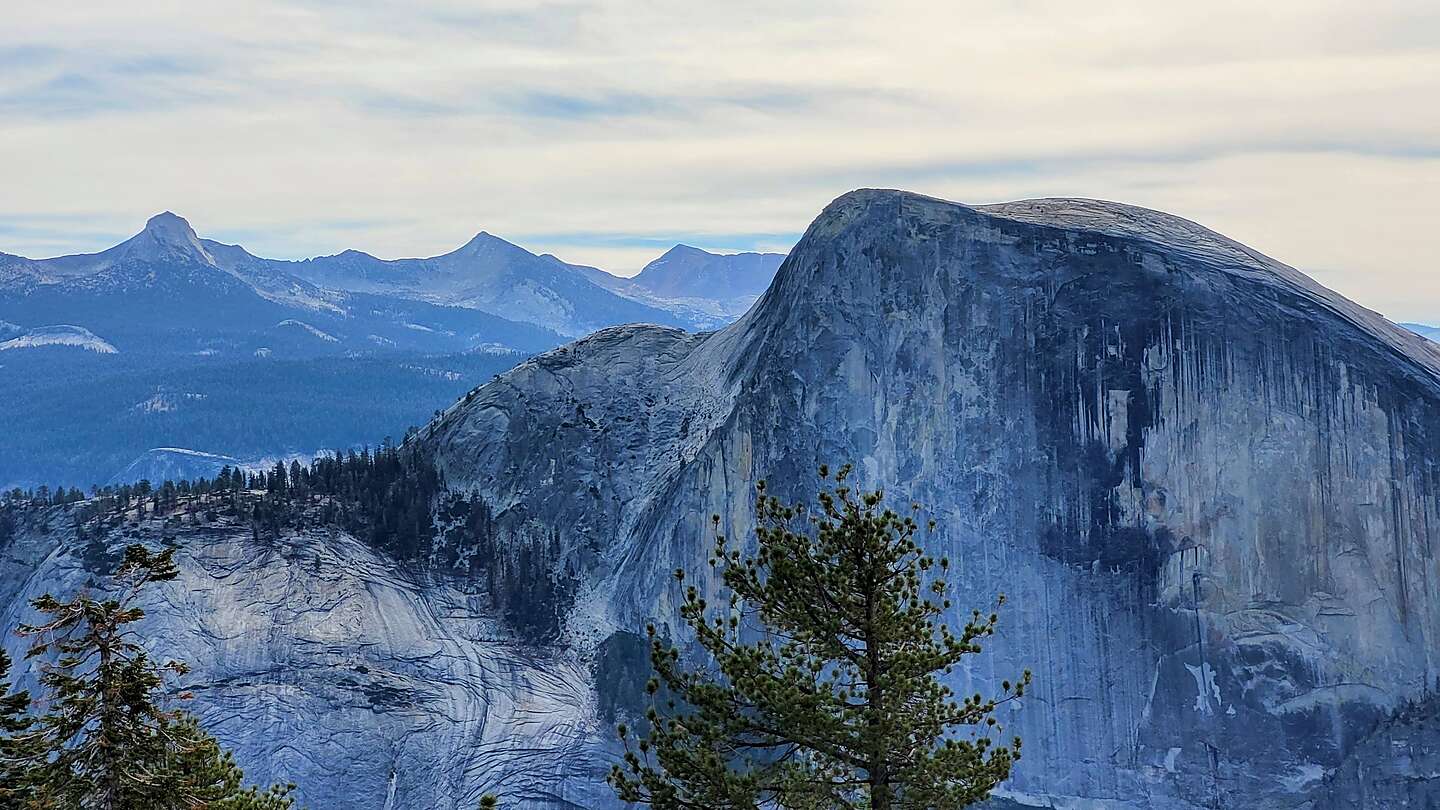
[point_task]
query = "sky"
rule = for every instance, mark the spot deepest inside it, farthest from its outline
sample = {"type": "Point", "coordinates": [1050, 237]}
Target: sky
{"type": "Point", "coordinates": [605, 131]}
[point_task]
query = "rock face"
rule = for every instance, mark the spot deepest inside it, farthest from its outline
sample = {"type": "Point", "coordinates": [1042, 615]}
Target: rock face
{"type": "Point", "coordinates": [60, 335]}
{"type": "Point", "coordinates": [1207, 485]}
{"type": "Point", "coordinates": [1396, 765]}
{"type": "Point", "coordinates": [324, 663]}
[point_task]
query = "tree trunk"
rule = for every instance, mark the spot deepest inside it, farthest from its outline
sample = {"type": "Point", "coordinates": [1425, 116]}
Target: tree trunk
{"type": "Point", "coordinates": [879, 767]}
{"type": "Point", "coordinates": [880, 787]}
{"type": "Point", "coordinates": [110, 779]}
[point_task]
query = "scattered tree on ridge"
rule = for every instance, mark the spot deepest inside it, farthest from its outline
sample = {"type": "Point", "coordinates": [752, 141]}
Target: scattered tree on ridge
{"type": "Point", "coordinates": [826, 687]}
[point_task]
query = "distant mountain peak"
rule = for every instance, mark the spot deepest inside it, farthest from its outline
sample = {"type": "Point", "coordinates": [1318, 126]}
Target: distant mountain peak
{"type": "Point", "coordinates": [168, 221]}
{"type": "Point", "coordinates": [484, 240]}
{"type": "Point", "coordinates": [167, 235]}
{"type": "Point", "coordinates": [686, 271]}
{"type": "Point", "coordinates": [682, 249]}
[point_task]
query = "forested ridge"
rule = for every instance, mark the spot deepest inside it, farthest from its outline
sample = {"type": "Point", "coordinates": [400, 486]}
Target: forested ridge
{"type": "Point", "coordinates": [392, 498]}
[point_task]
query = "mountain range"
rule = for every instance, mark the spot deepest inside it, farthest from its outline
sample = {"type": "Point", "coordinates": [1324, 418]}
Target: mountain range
{"type": "Point", "coordinates": [166, 309]}
{"type": "Point", "coordinates": [710, 289]}
{"type": "Point", "coordinates": [1208, 486]}
{"type": "Point", "coordinates": [167, 282]}
{"type": "Point", "coordinates": [1424, 329]}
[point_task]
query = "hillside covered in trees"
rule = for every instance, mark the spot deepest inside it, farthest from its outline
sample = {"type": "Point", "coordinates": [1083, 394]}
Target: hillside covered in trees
{"type": "Point", "coordinates": [391, 498]}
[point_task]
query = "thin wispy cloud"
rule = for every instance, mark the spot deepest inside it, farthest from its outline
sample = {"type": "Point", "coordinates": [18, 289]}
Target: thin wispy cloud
{"type": "Point", "coordinates": [601, 130]}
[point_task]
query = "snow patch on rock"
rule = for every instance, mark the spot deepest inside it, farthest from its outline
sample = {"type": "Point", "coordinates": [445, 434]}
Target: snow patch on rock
{"type": "Point", "coordinates": [60, 335]}
{"type": "Point", "coordinates": [325, 336]}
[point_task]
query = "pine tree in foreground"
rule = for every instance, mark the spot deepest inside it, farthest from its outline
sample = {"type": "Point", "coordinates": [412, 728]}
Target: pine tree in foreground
{"type": "Point", "coordinates": [826, 686]}
{"type": "Point", "coordinates": [106, 741]}
{"type": "Point", "coordinates": [208, 778]}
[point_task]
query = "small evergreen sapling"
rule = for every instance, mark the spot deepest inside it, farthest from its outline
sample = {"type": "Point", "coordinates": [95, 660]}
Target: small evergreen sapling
{"type": "Point", "coordinates": [826, 688]}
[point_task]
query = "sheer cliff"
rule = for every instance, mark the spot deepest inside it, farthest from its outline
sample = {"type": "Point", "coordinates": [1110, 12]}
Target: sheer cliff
{"type": "Point", "coordinates": [1206, 484]}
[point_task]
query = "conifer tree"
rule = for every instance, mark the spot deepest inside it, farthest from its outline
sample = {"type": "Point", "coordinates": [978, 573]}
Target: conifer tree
{"type": "Point", "coordinates": [205, 776]}
{"type": "Point", "coordinates": [20, 753]}
{"type": "Point", "coordinates": [825, 687]}
{"type": "Point", "coordinates": [108, 742]}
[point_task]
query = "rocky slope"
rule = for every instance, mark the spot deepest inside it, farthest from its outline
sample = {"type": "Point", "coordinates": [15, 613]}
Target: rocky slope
{"type": "Point", "coordinates": [171, 463]}
{"type": "Point", "coordinates": [1207, 485]}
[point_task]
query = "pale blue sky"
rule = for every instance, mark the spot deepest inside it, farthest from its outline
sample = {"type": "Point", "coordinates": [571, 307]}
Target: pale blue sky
{"type": "Point", "coordinates": [602, 130]}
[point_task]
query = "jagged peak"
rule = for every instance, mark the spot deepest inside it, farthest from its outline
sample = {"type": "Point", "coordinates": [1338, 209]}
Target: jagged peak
{"type": "Point", "coordinates": [168, 222]}
{"type": "Point", "coordinates": [167, 235]}
{"type": "Point", "coordinates": [682, 249]}
{"type": "Point", "coordinates": [485, 243]}
{"type": "Point", "coordinates": [486, 240]}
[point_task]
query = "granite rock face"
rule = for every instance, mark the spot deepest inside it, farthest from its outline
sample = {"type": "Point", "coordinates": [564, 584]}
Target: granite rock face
{"type": "Point", "coordinates": [323, 663]}
{"type": "Point", "coordinates": [1396, 765]}
{"type": "Point", "coordinates": [1206, 484]}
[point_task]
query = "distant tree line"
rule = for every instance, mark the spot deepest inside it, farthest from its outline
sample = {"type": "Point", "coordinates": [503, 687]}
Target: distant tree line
{"type": "Point", "coordinates": [45, 496]}
{"type": "Point", "coordinates": [392, 498]}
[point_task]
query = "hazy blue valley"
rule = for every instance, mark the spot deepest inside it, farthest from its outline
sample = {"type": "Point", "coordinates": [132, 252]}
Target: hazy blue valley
{"type": "Point", "coordinates": [171, 341]}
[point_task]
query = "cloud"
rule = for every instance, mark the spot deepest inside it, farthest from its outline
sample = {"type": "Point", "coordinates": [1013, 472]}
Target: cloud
{"type": "Point", "coordinates": [56, 234]}
{"type": "Point", "coordinates": [731, 242]}
{"type": "Point", "coordinates": [41, 82]}
{"type": "Point", "coordinates": [560, 105]}
{"type": "Point", "coordinates": [602, 130]}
